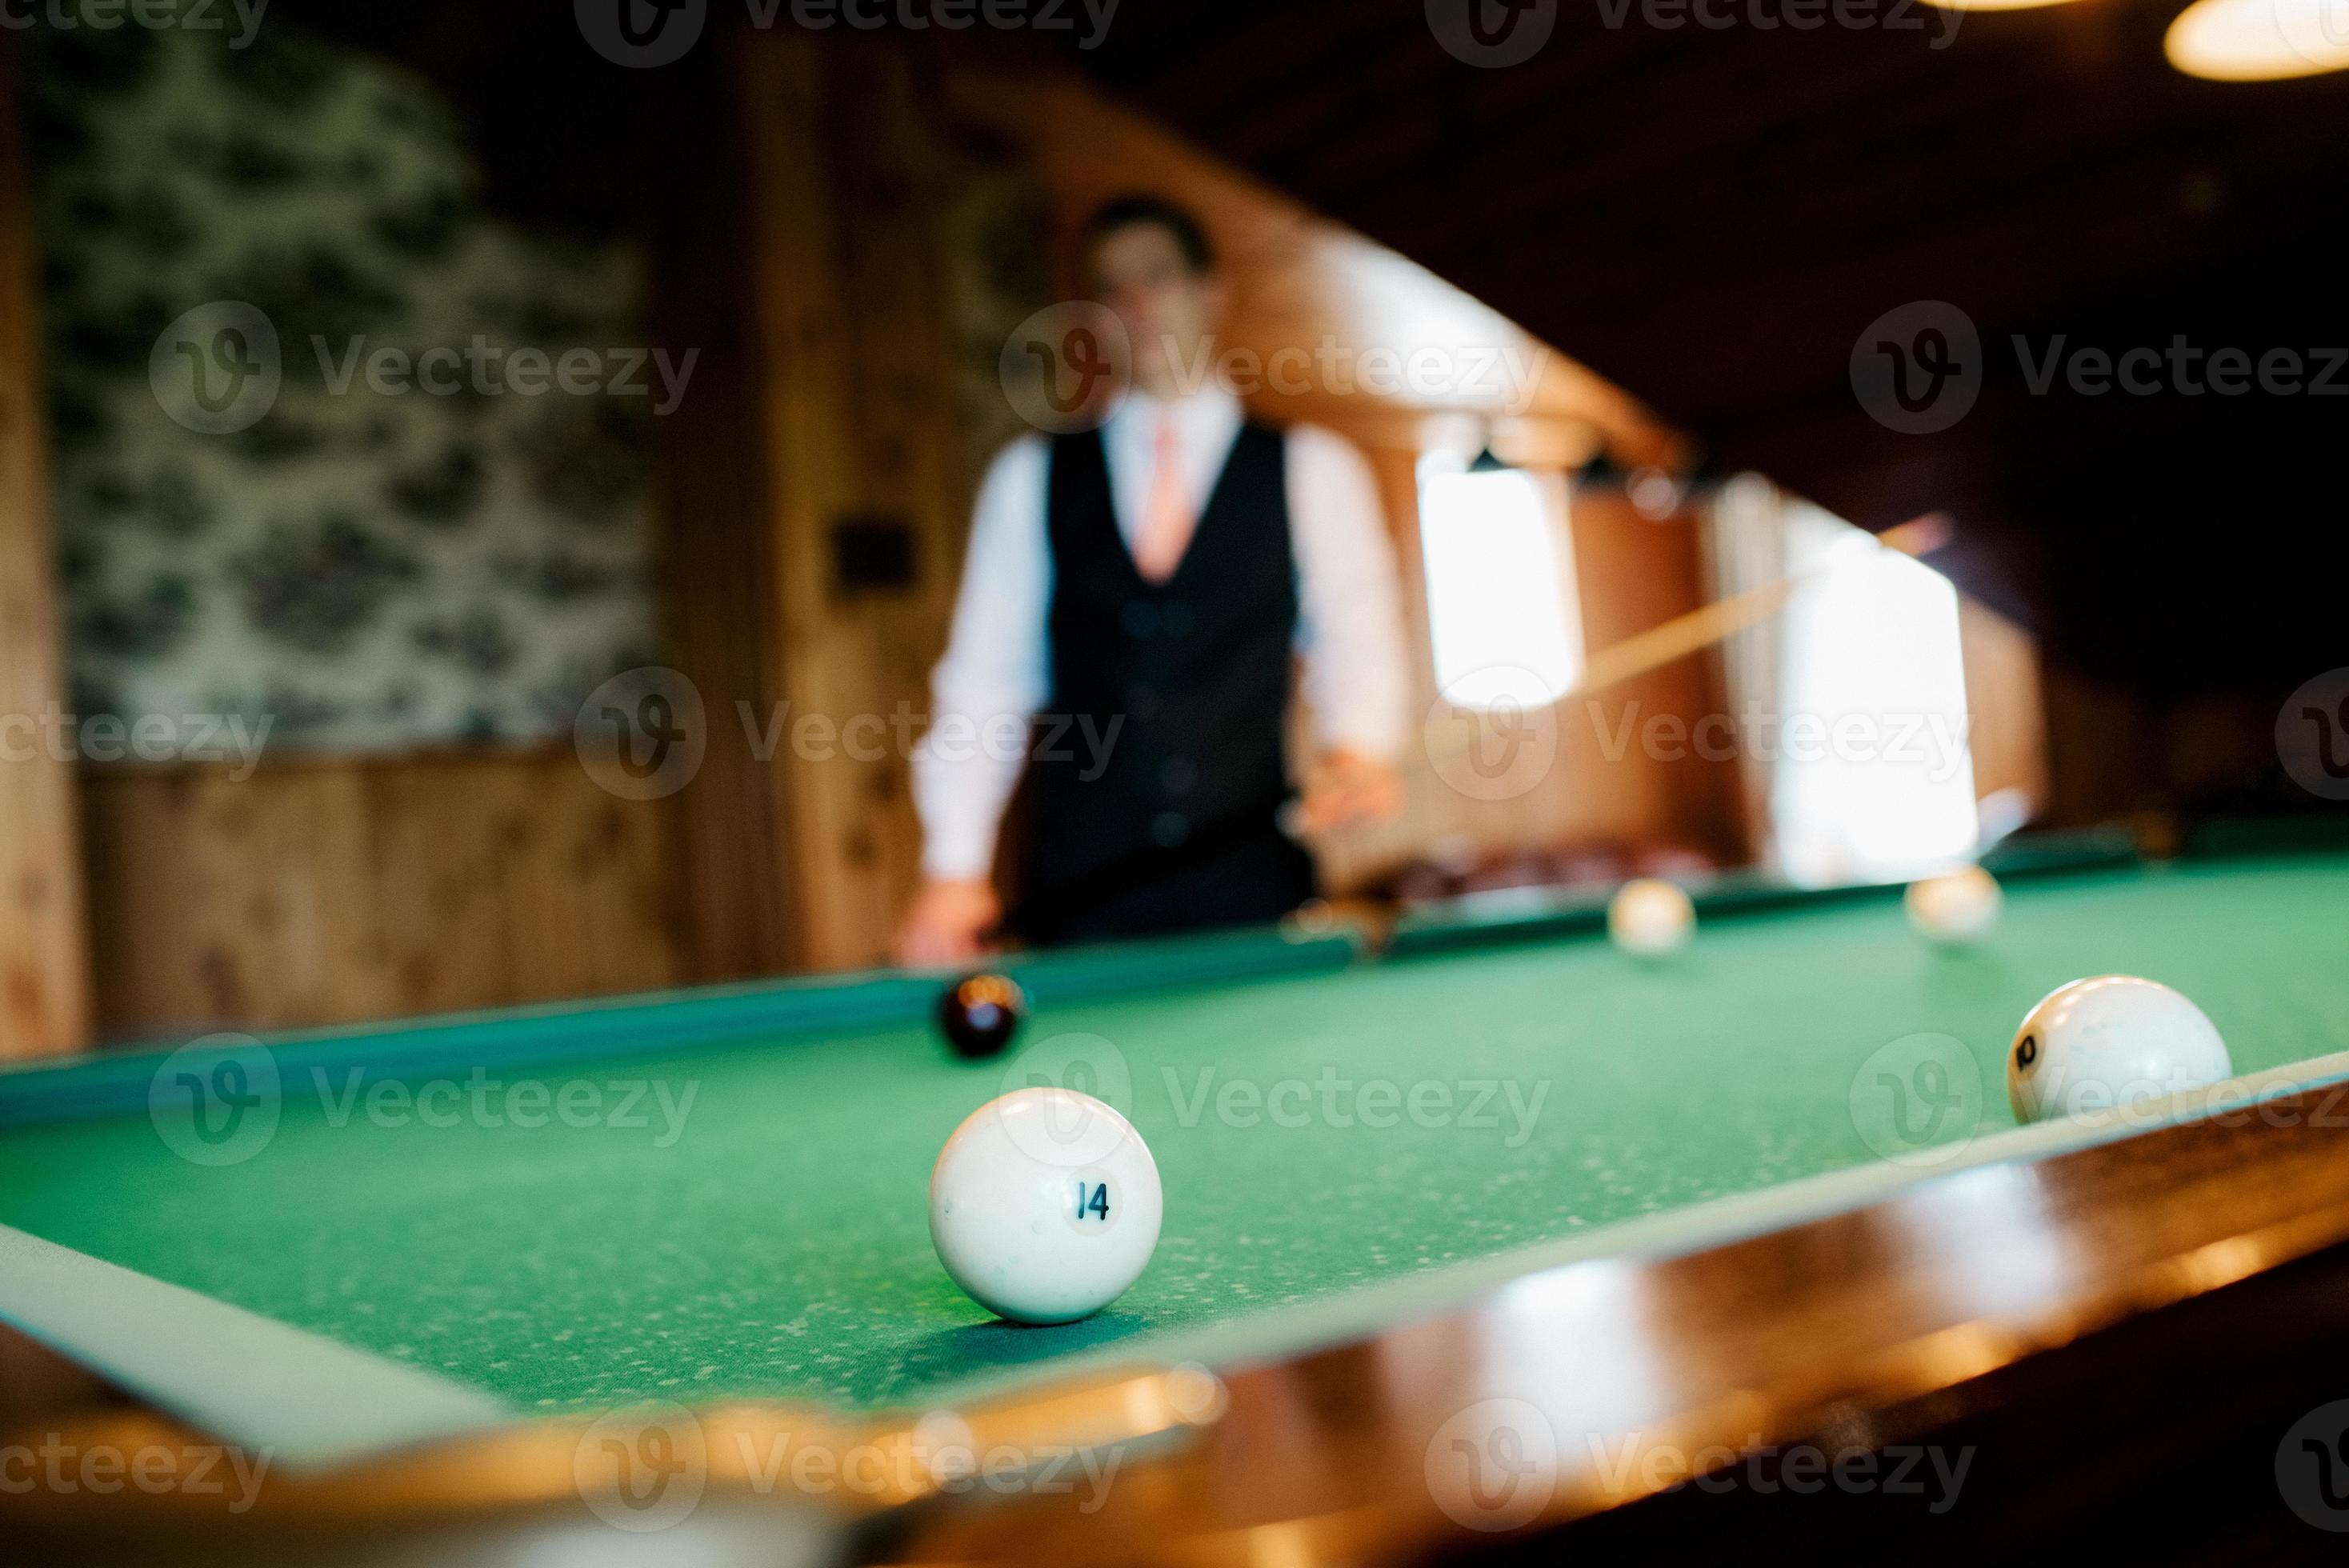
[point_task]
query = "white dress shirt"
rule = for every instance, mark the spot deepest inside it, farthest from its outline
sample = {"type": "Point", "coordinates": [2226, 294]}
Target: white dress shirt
{"type": "Point", "coordinates": [997, 672]}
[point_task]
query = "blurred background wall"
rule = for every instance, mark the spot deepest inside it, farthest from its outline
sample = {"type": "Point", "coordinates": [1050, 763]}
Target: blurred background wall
{"type": "Point", "coordinates": [838, 234]}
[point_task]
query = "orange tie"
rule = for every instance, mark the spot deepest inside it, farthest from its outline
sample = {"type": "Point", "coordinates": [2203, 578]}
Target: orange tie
{"type": "Point", "coordinates": [1167, 520]}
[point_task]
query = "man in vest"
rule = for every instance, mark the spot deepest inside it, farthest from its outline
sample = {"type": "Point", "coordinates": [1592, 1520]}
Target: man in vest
{"type": "Point", "coordinates": [1135, 597]}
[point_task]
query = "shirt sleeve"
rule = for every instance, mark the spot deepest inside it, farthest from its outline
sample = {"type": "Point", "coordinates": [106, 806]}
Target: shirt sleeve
{"type": "Point", "coordinates": [1350, 634]}
{"type": "Point", "coordinates": [995, 675]}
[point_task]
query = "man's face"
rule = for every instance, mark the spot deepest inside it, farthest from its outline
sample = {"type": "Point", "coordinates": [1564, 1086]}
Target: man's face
{"type": "Point", "coordinates": [1169, 310]}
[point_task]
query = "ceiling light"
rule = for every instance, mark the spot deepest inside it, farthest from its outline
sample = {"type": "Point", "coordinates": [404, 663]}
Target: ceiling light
{"type": "Point", "coordinates": [1994, 4]}
{"type": "Point", "coordinates": [2260, 40]}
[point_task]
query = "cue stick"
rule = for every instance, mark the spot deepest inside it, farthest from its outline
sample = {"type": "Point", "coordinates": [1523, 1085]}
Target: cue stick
{"type": "Point", "coordinates": [1724, 618]}
{"type": "Point", "coordinates": [1699, 628]}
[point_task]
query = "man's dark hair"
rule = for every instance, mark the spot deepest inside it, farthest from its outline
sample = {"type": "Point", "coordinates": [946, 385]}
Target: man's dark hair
{"type": "Point", "coordinates": [1127, 211]}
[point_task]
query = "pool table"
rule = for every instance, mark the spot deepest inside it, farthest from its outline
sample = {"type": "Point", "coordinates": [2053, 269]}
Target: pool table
{"type": "Point", "coordinates": [1483, 1187]}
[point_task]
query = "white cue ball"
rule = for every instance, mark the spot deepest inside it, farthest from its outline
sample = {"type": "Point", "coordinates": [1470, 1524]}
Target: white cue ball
{"type": "Point", "coordinates": [1649, 917]}
{"type": "Point", "coordinates": [1045, 1205]}
{"type": "Point", "coordinates": [2115, 1040]}
{"type": "Point", "coordinates": [1959, 907]}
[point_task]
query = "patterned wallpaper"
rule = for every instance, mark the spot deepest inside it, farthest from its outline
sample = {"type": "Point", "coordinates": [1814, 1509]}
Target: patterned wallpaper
{"type": "Point", "coordinates": [372, 567]}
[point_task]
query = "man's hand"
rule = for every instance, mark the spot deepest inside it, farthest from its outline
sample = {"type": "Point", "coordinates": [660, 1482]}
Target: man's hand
{"type": "Point", "coordinates": [1347, 788]}
{"type": "Point", "coordinates": [948, 923]}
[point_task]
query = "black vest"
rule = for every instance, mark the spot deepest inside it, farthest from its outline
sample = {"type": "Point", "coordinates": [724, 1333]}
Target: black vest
{"type": "Point", "coordinates": [1191, 678]}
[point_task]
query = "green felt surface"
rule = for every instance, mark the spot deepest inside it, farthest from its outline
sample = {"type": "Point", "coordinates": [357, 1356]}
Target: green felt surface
{"type": "Point", "coordinates": [772, 1239]}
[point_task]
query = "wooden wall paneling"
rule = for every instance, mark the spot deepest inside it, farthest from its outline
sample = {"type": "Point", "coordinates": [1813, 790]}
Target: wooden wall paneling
{"type": "Point", "coordinates": [733, 875]}
{"type": "Point", "coordinates": [450, 936]}
{"type": "Point", "coordinates": [44, 953]}
{"type": "Point", "coordinates": [623, 893]}
{"type": "Point", "coordinates": [335, 891]}
{"type": "Point", "coordinates": [141, 869]}
{"type": "Point", "coordinates": [2102, 755]}
{"type": "Point", "coordinates": [807, 391]}
{"type": "Point", "coordinates": [1623, 566]}
{"type": "Point", "coordinates": [235, 891]}
{"type": "Point", "coordinates": [652, 941]}
{"type": "Point", "coordinates": [2008, 703]}
{"type": "Point", "coordinates": [568, 887]}
{"type": "Point", "coordinates": [266, 907]}
{"type": "Point", "coordinates": [2218, 752]}
{"type": "Point", "coordinates": [529, 870]}
{"type": "Point", "coordinates": [330, 931]}
{"type": "Point", "coordinates": [1638, 572]}
{"type": "Point", "coordinates": [2113, 753]}
{"type": "Point", "coordinates": [858, 379]}
{"type": "Point", "coordinates": [885, 159]}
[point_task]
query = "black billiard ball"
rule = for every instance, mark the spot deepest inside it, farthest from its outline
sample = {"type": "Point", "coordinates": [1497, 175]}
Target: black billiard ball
{"type": "Point", "coordinates": [979, 1014]}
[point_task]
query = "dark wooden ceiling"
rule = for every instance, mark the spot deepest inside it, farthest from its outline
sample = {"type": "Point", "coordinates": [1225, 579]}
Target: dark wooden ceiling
{"type": "Point", "coordinates": [1712, 217]}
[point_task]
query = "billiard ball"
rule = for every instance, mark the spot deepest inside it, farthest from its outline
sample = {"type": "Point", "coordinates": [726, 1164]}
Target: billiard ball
{"type": "Point", "coordinates": [2113, 1041]}
{"type": "Point", "coordinates": [1650, 918]}
{"type": "Point", "coordinates": [979, 1014]}
{"type": "Point", "coordinates": [1958, 908]}
{"type": "Point", "coordinates": [1045, 1205]}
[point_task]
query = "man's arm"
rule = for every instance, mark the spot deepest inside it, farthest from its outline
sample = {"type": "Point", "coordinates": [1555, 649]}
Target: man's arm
{"type": "Point", "coordinates": [983, 694]}
{"type": "Point", "coordinates": [1356, 680]}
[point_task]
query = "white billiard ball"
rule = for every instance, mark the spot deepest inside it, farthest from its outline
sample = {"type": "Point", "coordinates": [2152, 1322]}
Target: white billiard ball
{"type": "Point", "coordinates": [2115, 1040]}
{"type": "Point", "coordinates": [1959, 907]}
{"type": "Point", "coordinates": [1649, 917]}
{"type": "Point", "coordinates": [1045, 1205]}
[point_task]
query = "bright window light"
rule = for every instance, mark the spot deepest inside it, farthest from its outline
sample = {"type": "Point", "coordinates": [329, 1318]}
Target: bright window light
{"type": "Point", "coordinates": [1501, 607]}
{"type": "Point", "coordinates": [1875, 775]}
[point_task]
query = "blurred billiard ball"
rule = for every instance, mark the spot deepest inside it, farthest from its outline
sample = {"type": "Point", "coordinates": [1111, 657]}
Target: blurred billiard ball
{"type": "Point", "coordinates": [979, 1014]}
{"type": "Point", "coordinates": [1958, 908]}
{"type": "Point", "coordinates": [2116, 1041]}
{"type": "Point", "coordinates": [1651, 918]}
